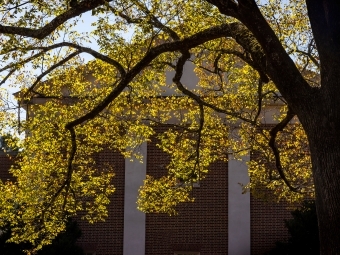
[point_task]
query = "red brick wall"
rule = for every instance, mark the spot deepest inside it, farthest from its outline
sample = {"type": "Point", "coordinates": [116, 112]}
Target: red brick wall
{"type": "Point", "coordinates": [106, 238]}
{"type": "Point", "coordinates": [200, 226]}
{"type": "Point", "coordinates": [6, 161]}
{"type": "Point", "coordinates": [267, 224]}
{"type": "Point", "coordinates": [267, 219]}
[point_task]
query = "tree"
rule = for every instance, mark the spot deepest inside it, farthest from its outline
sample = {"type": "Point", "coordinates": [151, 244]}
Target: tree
{"type": "Point", "coordinates": [304, 232]}
{"type": "Point", "coordinates": [246, 54]}
{"type": "Point", "coordinates": [8, 143]}
{"type": "Point", "coordinates": [64, 243]}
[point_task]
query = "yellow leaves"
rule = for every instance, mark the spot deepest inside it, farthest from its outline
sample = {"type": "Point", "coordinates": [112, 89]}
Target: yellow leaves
{"type": "Point", "coordinates": [44, 192]}
{"type": "Point", "coordinates": [290, 23]}
{"type": "Point", "coordinates": [295, 159]}
{"type": "Point", "coordinates": [162, 195]}
{"type": "Point", "coordinates": [97, 191]}
{"type": "Point", "coordinates": [51, 188]}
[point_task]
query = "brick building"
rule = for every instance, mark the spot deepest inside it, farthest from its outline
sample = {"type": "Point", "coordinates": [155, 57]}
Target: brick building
{"type": "Point", "coordinates": [222, 220]}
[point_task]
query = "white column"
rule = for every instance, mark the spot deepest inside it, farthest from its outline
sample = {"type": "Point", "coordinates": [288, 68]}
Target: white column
{"type": "Point", "coordinates": [238, 208]}
{"type": "Point", "coordinates": [134, 220]}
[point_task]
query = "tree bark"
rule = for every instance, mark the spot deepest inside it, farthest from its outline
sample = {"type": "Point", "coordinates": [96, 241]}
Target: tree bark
{"type": "Point", "coordinates": [317, 108]}
{"type": "Point", "coordinates": [326, 172]}
{"type": "Point", "coordinates": [323, 123]}
{"type": "Point", "coordinates": [322, 126]}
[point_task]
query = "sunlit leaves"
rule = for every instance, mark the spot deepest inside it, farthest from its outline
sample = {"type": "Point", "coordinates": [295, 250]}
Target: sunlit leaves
{"type": "Point", "coordinates": [57, 179]}
{"type": "Point", "coordinates": [162, 195]}
{"type": "Point", "coordinates": [295, 159]}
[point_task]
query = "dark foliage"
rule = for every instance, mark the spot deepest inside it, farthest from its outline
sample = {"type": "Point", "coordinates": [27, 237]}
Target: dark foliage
{"type": "Point", "coordinates": [64, 244]}
{"type": "Point", "coordinates": [304, 233]}
{"type": "Point", "coordinates": [11, 248]}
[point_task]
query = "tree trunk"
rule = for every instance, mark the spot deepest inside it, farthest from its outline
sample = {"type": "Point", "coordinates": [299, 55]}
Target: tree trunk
{"type": "Point", "coordinates": [326, 170]}
{"type": "Point", "coordinates": [323, 130]}
{"type": "Point", "coordinates": [322, 122]}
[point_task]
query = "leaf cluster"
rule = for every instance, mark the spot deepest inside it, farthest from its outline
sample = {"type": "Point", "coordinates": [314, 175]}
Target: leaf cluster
{"type": "Point", "coordinates": [135, 81]}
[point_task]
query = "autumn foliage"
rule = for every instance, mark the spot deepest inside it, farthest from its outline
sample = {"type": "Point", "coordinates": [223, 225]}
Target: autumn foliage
{"type": "Point", "coordinates": [250, 58]}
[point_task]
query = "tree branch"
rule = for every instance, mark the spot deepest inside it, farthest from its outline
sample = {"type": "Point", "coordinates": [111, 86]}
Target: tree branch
{"type": "Point", "coordinates": [198, 99]}
{"type": "Point", "coordinates": [309, 55]}
{"type": "Point", "coordinates": [177, 80]}
{"type": "Point", "coordinates": [68, 175]}
{"type": "Point", "coordinates": [273, 133]}
{"type": "Point", "coordinates": [227, 7]}
{"type": "Point", "coordinates": [154, 21]}
{"type": "Point", "coordinates": [11, 65]}
{"type": "Point", "coordinates": [259, 36]}
{"type": "Point", "coordinates": [16, 6]}
{"type": "Point", "coordinates": [47, 29]}
{"type": "Point", "coordinates": [90, 51]}
{"type": "Point", "coordinates": [187, 43]}
{"type": "Point", "coordinates": [7, 76]}
{"type": "Point", "coordinates": [49, 70]}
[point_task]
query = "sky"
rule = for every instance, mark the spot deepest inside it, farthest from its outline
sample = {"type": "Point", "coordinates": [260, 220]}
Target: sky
{"type": "Point", "coordinates": [84, 25]}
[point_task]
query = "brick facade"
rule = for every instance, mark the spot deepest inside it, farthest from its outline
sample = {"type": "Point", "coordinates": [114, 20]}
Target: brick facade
{"type": "Point", "coordinates": [5, 164]}
{"type": "Point", "coordinates": [267, 224]}
{"type": "Point", "coordinates": [103, 238]}
{"type": "Point", "coordinates": [106, 238]}
{"type": "Point", "coordinates": [267, 218]}
{"type": "Point", "coordinates": [200, 226]}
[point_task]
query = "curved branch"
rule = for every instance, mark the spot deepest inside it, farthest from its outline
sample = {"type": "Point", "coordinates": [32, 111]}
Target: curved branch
{"type": "Point", "coordinates": [225, 30]}
{"type": "Point", "coordinates": [72, 55]}
{"type": "Point", "coordinates": [187, 43]}
{"type": "Point", "coordinates": [256, 35]}
{"type": "Point", "coordinates": [44, 31]}
{"type": "Point", "coordinates": [198, 99]}
{"type": "Point", "coordinates": [16, 6]}
{"type": "Point", "coordinates": [68, 176]}
{"type": "Point", "coordinates": [90, 51]}
{"type": "Point", "coordinates": [273, 133]}
{"type": "Point", "coordinates": [310, 56]}
{"type": "Point", "coordinates": [7, 76]}
{"type": "Point", "coordinates": [23, 61]}
{"type": "Point", "coordinates": [154, 21]}
{"type": "Point", "coordinates": [279, 65]}
{"type": "Point", "coordinates": [177, 80]}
